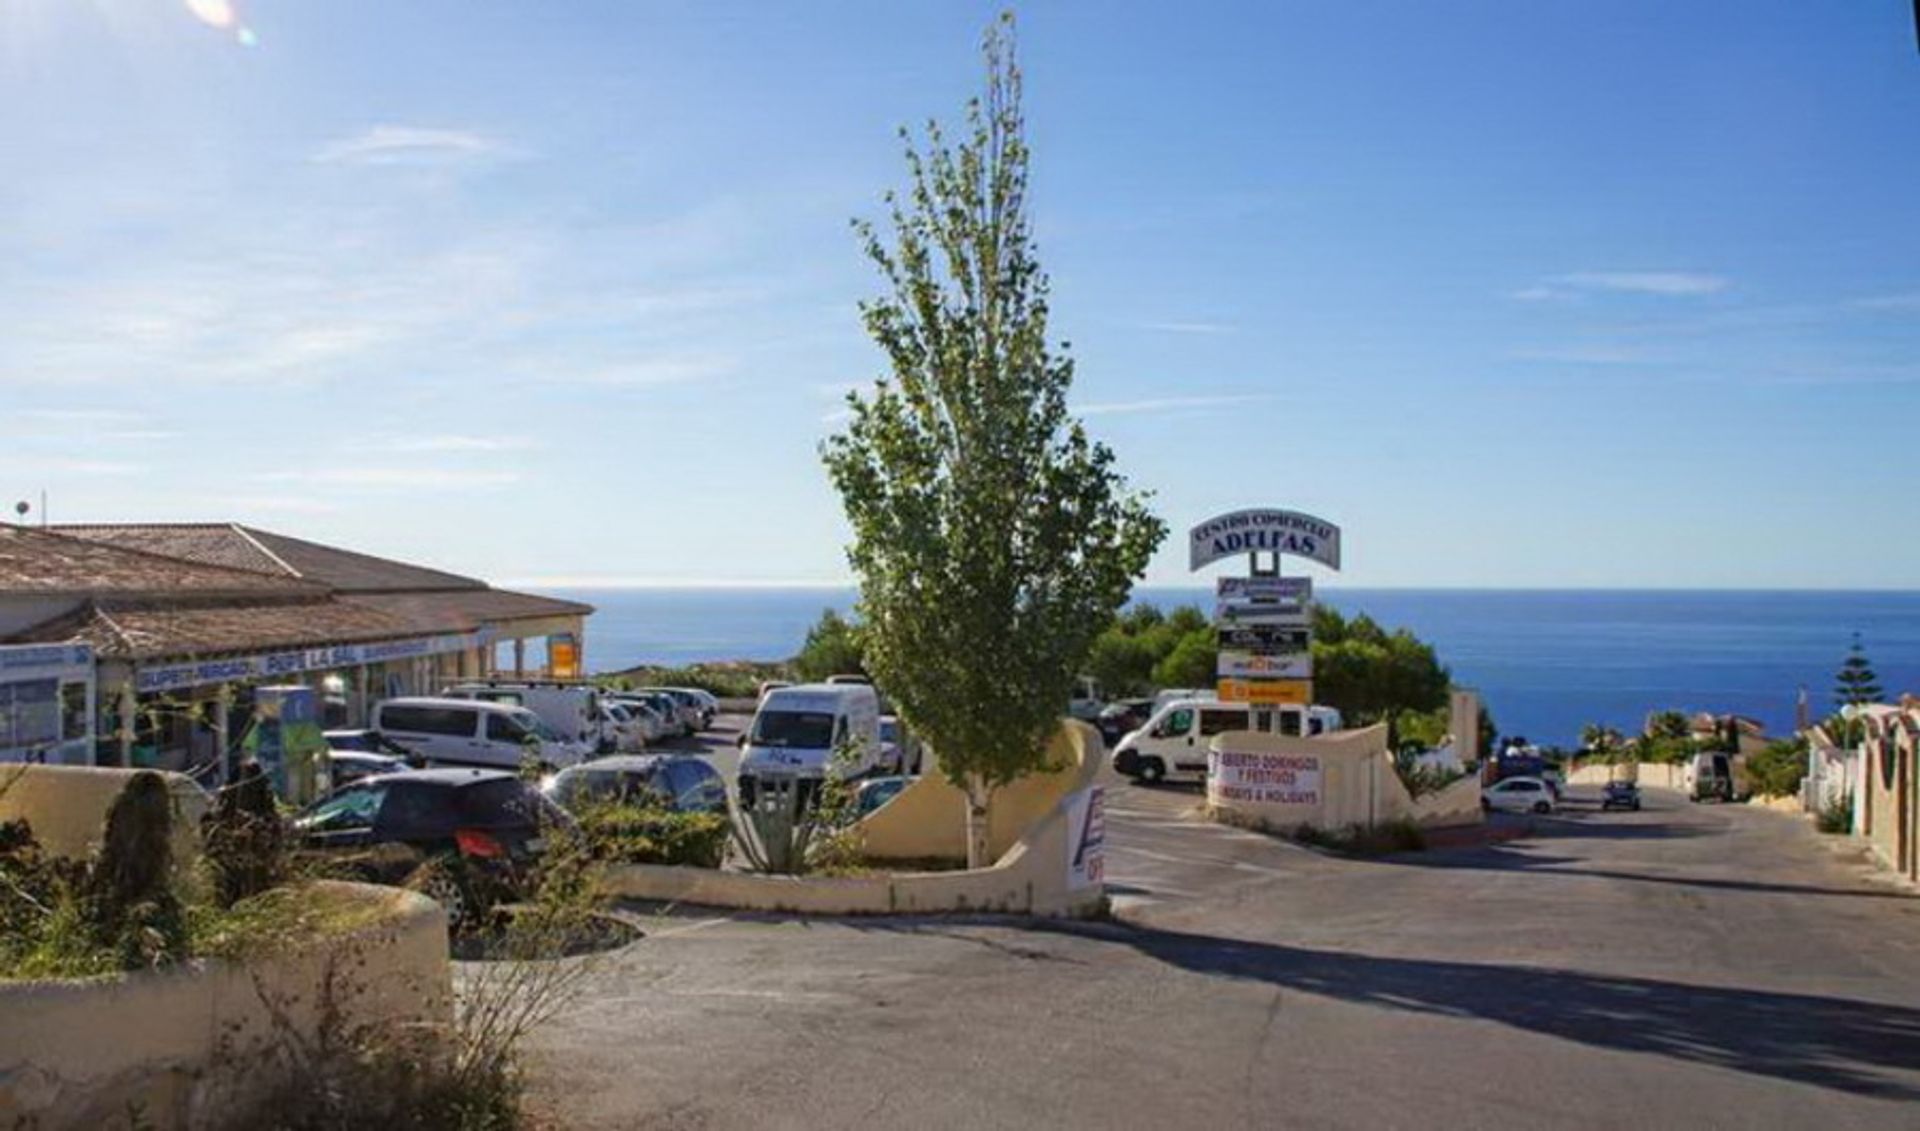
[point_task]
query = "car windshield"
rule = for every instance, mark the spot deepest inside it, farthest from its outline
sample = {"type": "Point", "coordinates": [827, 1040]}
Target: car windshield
{"type": "Point", "coordinates": [889, 730]}
{"type": "Point", "coordinates": [811, 730]}
{"type": "Point", "coordinates": [574, 788]}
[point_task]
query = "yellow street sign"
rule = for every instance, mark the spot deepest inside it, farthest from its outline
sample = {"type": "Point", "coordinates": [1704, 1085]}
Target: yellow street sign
{"type": "Point", "coordinates": [1267, 692]}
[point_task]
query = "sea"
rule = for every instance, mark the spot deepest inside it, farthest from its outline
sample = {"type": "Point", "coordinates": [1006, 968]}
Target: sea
{"type": "Point", "coordinates": [1546, 662]}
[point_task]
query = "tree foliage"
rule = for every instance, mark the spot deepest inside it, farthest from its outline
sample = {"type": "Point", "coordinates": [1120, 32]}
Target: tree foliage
{"type": "Point", "coordinates": [1777, 770]}
{"type": "Point", "coordinates": [833, 647]}
{"type": "Point", "coordinates": [992, 538]}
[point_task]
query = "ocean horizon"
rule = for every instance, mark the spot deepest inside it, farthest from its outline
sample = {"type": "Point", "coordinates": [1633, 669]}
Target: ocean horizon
{"type": "Point", "coordinates": [1545, 661]}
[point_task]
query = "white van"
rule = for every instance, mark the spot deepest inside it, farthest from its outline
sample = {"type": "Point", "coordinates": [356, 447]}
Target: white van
{"type": "Point", "coordinates": [797, 731]}
{"type": "Point", "coordinates": [1172, 745]}
{"type": "Point", "coordinates": [1173, 694]}
{"type": "Point", "coordinates": [472, 733]}
{"type": "Point", "coordinates": [571, 709]}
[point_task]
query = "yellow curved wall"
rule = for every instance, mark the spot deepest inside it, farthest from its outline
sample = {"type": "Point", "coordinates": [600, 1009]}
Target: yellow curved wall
{"type": "Point", "coordinates": [929, 818]}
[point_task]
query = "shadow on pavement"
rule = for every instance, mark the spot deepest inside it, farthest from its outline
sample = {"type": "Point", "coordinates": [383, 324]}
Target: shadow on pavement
{"type": "Point", "coordinates": [1828, 1042]}
{"type": "Point", "coordinates": [1511, 858]}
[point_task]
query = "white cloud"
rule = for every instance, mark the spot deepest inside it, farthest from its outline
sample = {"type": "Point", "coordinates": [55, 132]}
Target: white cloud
{"type": "Point", "coordinates": [283, 504]}
{"type": "Point", "coordinates": [455, 444]}
{"type": "Point", "coordinates": [1909, 301]}
{"type": "Point", "coordinates": [430, 478]}
{"type": "Point", "coordinates": [1168, 404]}
{"type": "Point", "coordinates": [1536, 294]}
{"type": "Point", "coordinates": [408, 145]}
{"type": "Point", "coordinates": [653, 371]}
{"type": "Point", "coordinates": [1588, 355]}
{"type": "Point", "coordinates": [63, 466]}
{"type": "Point", "coordinates": [1645, 282]}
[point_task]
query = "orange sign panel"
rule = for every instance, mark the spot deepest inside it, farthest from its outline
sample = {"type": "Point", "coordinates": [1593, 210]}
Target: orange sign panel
{"type": "Point", "coordinates": [1267, 692]}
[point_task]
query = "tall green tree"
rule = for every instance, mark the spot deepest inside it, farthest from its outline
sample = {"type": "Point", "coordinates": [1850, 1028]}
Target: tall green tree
{"type": "Point", "coordinates": [1855, 684]}
{"type": "Point", "coordinates": [992, 538]}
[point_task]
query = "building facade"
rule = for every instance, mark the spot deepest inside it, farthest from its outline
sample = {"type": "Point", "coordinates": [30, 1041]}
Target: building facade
{"type": "Point", "coordinates": [183, 620]}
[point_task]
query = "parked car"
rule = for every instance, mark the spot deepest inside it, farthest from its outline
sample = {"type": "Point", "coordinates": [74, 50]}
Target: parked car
{"type": "Point", "coordinates": [875, 792]}
{"type": "Point", "coordinates": [1122, 717]}
{"type": "Point", "coordinates": [654, 716]}
{"type": "Point", "coordinates": [344, 767]}
{"type": "Point", "coordinates": [473, 732]}
{"type": "Point", "coordinates": [1518, 795]}
{"type": "Point", "coordinates": [618, 722]}
{"type": "Point", "coordinates": [370, 742]}
{"type": "Point", "coordinates": [570, 708]}
{"type": "Point", "coordinates": [1086, 699]}
{"type": "Point", "coordinates": [482, 832]}
{"type": "Point", "coordinates": [680, 782]}
{"type": "Point", "coordinates": [899, 749]}
{"type": "Point", "coordinates": [1620, 795]}
{"type": "Point", "coordinates": [687, 712]}
{"type": "Point", "coordinates": [767, 685]}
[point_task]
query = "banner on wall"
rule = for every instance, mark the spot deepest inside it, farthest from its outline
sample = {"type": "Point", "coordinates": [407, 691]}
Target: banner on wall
{"type": "Point", "coordinates": [269, 665]}
{"type": "Point", "coordinates": [563, 655]}
{"type": "Point", "coordinates": [1086, 837]}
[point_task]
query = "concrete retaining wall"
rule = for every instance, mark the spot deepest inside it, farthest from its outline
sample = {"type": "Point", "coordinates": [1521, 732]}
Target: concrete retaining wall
{"type": "Point", "coordinates": [184, 1047]}
{"type": "Point", "coordinates": [1035, 875]}
{"type": "Point", "coordinates": [1328, 781]}
{"type": "Point", "coordinates": [928, 820]}
{"type": "Point", "coordinates": [1661, 775]}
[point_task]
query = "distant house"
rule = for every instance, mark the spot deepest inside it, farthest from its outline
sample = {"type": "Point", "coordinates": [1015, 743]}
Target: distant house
{"type": "Point", "coordinates": [1711, 729]}
{"type": "Point", "coordinates": [183, 620]}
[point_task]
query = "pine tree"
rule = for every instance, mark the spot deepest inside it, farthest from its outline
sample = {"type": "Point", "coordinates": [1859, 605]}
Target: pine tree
{"type": "Point", "coordinates": [1856, 684]}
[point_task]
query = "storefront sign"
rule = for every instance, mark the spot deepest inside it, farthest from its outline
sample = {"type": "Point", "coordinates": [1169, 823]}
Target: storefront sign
{"type": "Point", "coordinates": [1086, 837]}
{"type": "Point", "coordinates": [1295, 616]}
{"type": "Point", "coordinates": [1291, 665]}
{"type": "Point", "coordinates": [1264, 531]}
{"type": "Point", "coordinates": [46, 702]}
{"type": "Point", "coordinates": [1266, 692]}
{"type": "Point", "coordinates": [563, 655]}
{"type": "Point", "coordinates": [1266, 779]}
{"type": "Point", "coordinates": [274, 664]}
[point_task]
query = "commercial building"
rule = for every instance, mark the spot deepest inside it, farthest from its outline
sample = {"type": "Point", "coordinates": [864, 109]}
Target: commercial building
{"type": "Point", "coordinates": [184, 620]}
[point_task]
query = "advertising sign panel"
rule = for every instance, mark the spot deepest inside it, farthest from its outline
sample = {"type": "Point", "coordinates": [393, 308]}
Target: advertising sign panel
{"type": "Point", "coordinates": [1086, 837]}
{"type": "Point", "coordinates": [1247, 590]}
{"type": "Point", "coordinates": [1239, 665]}
{"type": "Point", "coordinates": [1264, 530]}
{"type": "Point", "coordinates": [1266, 692]}
{"type": "Point", "coordinates": [1267, 779]}
{"type": "Point", "coordinates": [1264, 639]}
{"type": "Point", "coordinates": [1295, 615]}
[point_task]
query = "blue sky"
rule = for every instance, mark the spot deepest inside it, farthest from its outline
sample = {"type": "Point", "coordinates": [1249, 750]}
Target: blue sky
{"type": "Point", "coordinates": [1541, 294]}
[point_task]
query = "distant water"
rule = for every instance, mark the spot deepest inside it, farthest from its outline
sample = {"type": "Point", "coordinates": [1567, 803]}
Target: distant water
{"type": "Point", "coordinates": [1547, 662]}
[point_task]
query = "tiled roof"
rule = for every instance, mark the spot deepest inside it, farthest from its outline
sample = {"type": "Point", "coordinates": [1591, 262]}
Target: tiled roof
{"type": "Point", "coordinates": [141, 631]}
{"type": "Point", "coordinates": [351, 572]}
{"type": "Point", "coordinates": [475, 607]}
{"type": "Point", "coordinates": [34, 561]}
{"type": "Point", "coordinates": [262, 551]}
{"type": "Point", "coordinates": [209, 543]}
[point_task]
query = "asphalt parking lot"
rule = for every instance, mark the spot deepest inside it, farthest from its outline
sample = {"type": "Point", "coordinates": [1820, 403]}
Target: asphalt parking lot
{"type": "Point", "coordinates": [1684, 965]}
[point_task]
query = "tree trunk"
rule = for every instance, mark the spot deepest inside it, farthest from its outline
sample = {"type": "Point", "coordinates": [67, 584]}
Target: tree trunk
{"type": "Point", "coordinates": [979, 843]}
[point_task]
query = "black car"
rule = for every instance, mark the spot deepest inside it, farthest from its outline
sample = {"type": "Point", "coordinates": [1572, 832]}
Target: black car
{"type": "Point", "coordinates": [346, 767]}
{"type": "Point", "coordinates": [679, 782]}
{"type": "Point", "coordinates": [1121, 718]}
{"type": "Point", "coordinates": [1620, 795]}
{"type": "Point", "coordinates": [481, 830]}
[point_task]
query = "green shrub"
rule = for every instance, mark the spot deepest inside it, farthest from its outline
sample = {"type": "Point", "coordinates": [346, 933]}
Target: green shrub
{"type": "Point", "coordinates": [1778, 770]}
{"type": "Point", "coordinates": [1837, 816]}
{"type": "Point", "coordinates": [635, 834]}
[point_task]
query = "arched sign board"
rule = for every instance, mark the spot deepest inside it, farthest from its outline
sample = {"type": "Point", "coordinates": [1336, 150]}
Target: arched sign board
{"type": "Point", "coordinates": [1264, 531]}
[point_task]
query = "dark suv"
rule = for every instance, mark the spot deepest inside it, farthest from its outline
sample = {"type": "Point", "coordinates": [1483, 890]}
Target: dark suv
{"type": "Point", "coordinates": [482, 830]}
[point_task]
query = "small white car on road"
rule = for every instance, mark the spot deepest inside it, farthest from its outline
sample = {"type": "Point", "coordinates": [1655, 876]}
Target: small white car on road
{"type": "Point", "coordinates": [1518, 795]}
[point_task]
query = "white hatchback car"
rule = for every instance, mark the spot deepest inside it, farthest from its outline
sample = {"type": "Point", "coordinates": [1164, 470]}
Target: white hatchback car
{"type": "Point", "coordinates": [1518, 795]}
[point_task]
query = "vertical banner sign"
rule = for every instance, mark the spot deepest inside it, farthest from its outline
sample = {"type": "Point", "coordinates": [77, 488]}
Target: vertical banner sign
{"type": "Point", "coordinates": [1086, 837]}
{"type": "Point", "coordinates": [563, 655]}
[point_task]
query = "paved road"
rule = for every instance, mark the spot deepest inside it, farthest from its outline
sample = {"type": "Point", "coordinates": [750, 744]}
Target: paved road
{"type": "Point", "coordinates": [1686, 965]}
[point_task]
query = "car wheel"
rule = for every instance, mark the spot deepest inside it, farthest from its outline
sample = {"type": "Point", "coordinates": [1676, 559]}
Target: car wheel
{"type": "Point", "coordinates": [1152, 771]}
{"type": "Point", "coordinates": [439, 881]}
{"type": "Point", "coordinates": [1542, 807]}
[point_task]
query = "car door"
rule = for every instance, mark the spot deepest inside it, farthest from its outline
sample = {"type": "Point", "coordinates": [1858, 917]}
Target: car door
{"type": "Point", "coordinates": [344, 819]}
